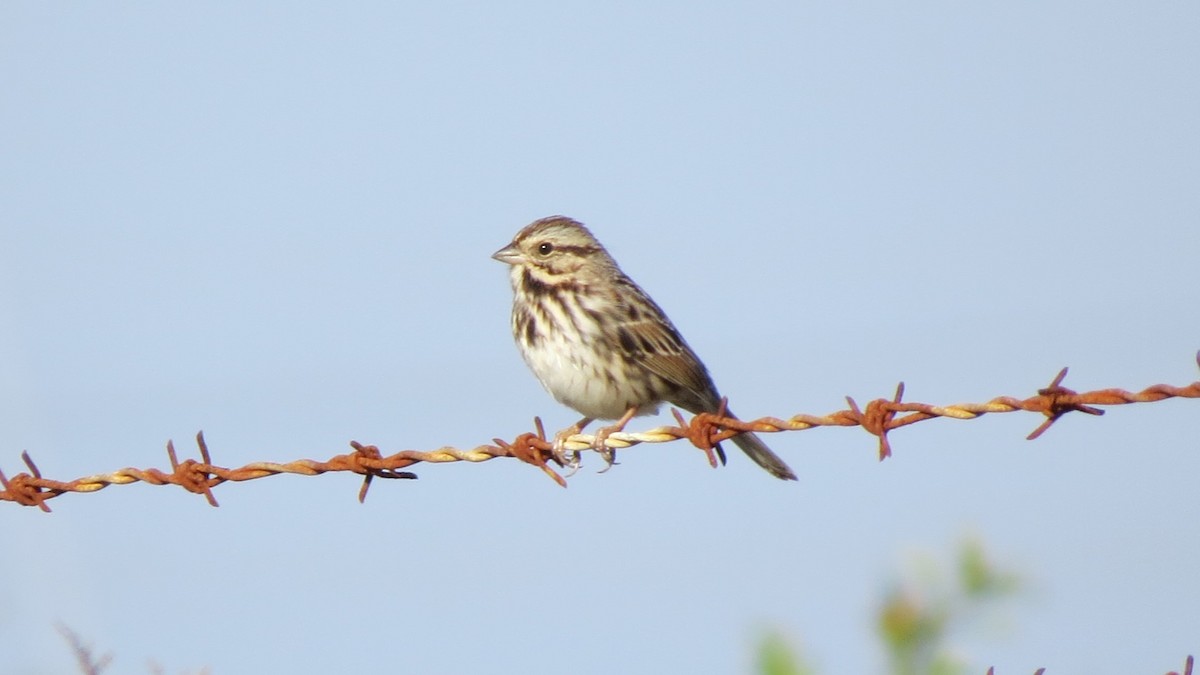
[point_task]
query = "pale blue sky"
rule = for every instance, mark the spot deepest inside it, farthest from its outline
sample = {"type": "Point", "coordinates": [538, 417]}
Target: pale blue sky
{"type": "Point", "coordinates": [274, 222]}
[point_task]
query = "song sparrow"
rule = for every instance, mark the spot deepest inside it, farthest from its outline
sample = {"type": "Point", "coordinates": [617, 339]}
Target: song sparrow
{"type": "Point", "coordinates": [598, 343]}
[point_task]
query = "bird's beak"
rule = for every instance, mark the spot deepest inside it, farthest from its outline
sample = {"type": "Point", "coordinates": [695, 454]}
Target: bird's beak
{"type": "Point", "coordinates": [509, 255]}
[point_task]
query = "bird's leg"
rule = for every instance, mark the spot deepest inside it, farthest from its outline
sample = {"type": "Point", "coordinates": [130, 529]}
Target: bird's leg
{"type": "Point", "coordinates": [565, 457]}
{"type": "Point", "coordinates": [602, 434]}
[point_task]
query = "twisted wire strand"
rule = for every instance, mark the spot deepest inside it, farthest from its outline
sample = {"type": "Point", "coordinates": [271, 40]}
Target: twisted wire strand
{"type": "Point", "coordinates": [704, 431]}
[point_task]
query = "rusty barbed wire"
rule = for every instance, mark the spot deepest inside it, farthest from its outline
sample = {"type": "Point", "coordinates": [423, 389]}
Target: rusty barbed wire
{"type": "Point", "coordinates": [1187, 668]}
{"type": "Point", "coordinates": [704, 431]}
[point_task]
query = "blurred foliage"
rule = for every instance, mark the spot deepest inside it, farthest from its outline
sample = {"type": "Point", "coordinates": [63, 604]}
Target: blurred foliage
{"type": "Point", "coordinates": [776, 656]}
{"type": "Point", "coordinates": [918, 616]}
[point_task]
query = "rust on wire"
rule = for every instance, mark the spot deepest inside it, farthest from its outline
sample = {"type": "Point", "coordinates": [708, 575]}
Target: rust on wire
{"type": "Point", "coordinates": [704, 431]}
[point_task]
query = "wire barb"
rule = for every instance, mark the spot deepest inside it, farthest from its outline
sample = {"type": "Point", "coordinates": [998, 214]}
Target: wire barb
{"type": "Point", "coordinates": [1187, 667]}
{"type": "Point", "coordinates": [704, 431]}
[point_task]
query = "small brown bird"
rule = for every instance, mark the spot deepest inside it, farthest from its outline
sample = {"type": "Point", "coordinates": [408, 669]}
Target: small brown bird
{"type": "Point", "coordinates": [598, 343]}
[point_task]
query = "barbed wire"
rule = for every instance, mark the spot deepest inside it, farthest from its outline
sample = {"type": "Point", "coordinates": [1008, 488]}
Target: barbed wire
{"type": "Point", "coordinates": [704, 431]}
{"type": "Point", "coordinates": [1187, 668]}
{"type": "Point", "coordinates": [89, 664]}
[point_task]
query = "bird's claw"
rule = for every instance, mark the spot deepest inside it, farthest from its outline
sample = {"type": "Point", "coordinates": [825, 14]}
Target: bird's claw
{"type": "Point", "coordinates": [600, 445]}
{"type": "Point", "coordinates": [569, 459]}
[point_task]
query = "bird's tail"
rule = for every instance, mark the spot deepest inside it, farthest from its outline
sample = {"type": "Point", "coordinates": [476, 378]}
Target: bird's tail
{"type": "Point", "coordinates": [758, 451]}
{"type": "Point", "coordinates": [749, 442]}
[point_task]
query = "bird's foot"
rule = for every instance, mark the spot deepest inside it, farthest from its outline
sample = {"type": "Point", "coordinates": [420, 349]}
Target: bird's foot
{"type": "Point", "coordinates": [569, 459]}
{"type": "Point", "coordinates": [600, 441]}
{"type": "Point", "coordinates": [600, 445]}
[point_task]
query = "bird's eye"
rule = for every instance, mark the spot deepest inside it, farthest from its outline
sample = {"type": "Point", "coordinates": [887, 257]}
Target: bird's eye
{"type": "Point", "coordinates": [545, 248]}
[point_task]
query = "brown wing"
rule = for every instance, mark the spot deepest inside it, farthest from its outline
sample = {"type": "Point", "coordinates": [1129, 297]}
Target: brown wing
{"type": "Point", "coordinates": [648, 337]}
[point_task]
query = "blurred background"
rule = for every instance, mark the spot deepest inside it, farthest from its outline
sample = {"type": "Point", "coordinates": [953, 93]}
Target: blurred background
{"type": "Point", "coordinates": [273, 223]}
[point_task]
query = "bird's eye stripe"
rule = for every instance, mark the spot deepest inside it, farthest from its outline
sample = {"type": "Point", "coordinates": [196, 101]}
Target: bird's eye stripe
{"type": "Point", "coordinates": [577, 250]}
